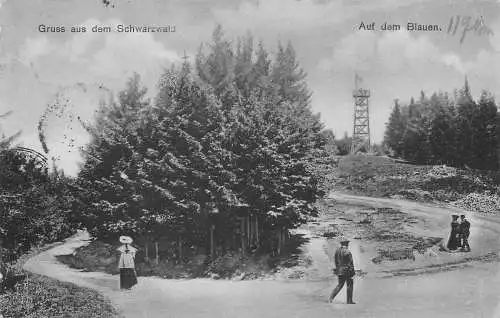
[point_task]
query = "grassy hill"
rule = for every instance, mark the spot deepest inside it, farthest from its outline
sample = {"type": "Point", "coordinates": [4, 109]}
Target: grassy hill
{"type": "Point", "coordinates": [384, 177]}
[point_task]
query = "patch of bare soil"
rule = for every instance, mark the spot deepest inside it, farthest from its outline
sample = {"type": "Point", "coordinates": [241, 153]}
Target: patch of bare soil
{"type": "Point", "coordinates": [438, 268]}
{"type": "Point", "coordinates": [386, 233]}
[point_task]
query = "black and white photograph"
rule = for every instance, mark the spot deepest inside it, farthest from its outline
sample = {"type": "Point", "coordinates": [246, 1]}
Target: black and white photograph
{"type": "Point", "coordinates": [249, 158]}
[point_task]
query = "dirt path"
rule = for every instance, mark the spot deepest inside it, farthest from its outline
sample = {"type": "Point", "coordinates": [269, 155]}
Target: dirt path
{"type": "Point", "coordinates": [434, 221]}
{"type": "Point", "coordinates": [471, 291]}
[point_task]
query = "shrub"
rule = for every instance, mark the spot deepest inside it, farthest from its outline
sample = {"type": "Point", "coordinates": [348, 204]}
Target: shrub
{"type": "Point", "coordinates": [225, 265]}
{"type": "Point", "coordinates": [234, 264]}
{"type": "Point", "coordinates": [484, 203]}
{"type": "Point", "coordinates": [42, 297]}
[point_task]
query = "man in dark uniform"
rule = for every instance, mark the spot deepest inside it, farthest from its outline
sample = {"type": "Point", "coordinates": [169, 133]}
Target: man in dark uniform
{"type": "Point", "coordinates": [464, 233]}
{"type": "Point", "coordinates": [344, 269]}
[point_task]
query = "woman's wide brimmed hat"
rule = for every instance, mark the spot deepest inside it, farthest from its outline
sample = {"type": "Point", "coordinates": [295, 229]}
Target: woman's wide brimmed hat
{"type": "Point", "coordinates": [344, 240]}
{"type": "Point", "coordinates": [126, 240]}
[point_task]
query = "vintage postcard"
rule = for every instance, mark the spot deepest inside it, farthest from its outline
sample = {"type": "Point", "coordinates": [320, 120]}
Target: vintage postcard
{"type": "Point", "coordinates": [249, 158]}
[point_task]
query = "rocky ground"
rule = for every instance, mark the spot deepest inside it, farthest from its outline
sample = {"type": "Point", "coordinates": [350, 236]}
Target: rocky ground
{"type": "Point", "coordinates": [383, 177]}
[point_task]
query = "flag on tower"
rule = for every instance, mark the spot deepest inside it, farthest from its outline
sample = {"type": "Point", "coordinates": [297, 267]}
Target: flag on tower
{"type": "Point", "coordinates": [185, 57]}
{"type": "Point", "coordinates": [357, 80]}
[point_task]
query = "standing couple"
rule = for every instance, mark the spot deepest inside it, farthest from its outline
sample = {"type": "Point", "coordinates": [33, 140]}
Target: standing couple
{"type": "Point", "coordinates": [460, 231]}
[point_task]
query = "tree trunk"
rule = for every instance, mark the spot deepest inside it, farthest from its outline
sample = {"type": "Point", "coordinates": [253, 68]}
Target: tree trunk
{"type": "Point", "coordinates": [212, 247]}
{"type": "Point", "coordinates": [285, 237]}
{"type": "Point", "coordinates": [146, 251]}
{"type": "Point", "coordinates": [157, 256]}
{"type": "Point", "coordinates": [248, 230]}
{"type": "Point", "coordinates": [257, 230]}
{"type": "Point", "coordinates": [242, 234]}
{"type": "Point", "coordinates": [180, 248]}
{"type": "Point", "coordinates": [280, 237]}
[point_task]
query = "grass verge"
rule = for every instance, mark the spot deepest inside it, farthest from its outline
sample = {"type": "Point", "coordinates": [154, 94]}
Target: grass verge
{"type": "Point", "coordinates": [383, 177]}
{"type": "Point", "coordinates": [43, 297]}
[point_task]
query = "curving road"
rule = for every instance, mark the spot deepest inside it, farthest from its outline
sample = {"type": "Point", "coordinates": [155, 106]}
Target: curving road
{"type": "Point", "coordinates": [469, 290]}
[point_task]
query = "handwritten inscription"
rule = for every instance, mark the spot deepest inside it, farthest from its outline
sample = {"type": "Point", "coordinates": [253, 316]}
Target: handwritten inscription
{"type": "Point", "coordinates": [465, 25]}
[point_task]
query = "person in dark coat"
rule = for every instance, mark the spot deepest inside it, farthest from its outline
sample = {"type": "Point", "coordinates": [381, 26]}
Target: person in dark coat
{"type": "Point", "coordinates": [464, 233]}
{"type": "Point", "coordinates": [344, 269]}
{"type": "Point", "coordinates": [453, 241]}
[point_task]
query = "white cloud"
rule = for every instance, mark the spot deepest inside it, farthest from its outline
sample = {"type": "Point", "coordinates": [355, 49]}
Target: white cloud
{"type": "Point", "coordinates": [99, 57]}
{"type": "Point", "coordinates": [297, 15]}
{"type": "Point", "coordinates": [123, 53]}
{"type": "Point", "coordinates": [81, 42]}
{"type": "Point", "coordinates": [78, 65]}
{"type": "Point", "coordinates": [281, 14]}
{"type": "Point", "coordinates": [483, 66]}
{"type": "Point", "coordinates": [392, 52]}
{"type": "Point", "coordinates": [454, 61]}
{"type": "Point", "coordinates": [356, 51]}
{"type": "Point", "coordinates": [34, 48]}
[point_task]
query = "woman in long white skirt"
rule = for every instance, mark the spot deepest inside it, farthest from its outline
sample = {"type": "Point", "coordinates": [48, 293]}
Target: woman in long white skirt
{"type": "Point", "coordinates": [128, 276]}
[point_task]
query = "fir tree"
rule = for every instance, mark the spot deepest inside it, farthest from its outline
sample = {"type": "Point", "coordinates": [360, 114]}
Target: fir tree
{"type": "Point", "coordinates": [442, 134]}
{"type": "Point", "coordinates": [395, 129]}
{"type": "Point", "coordinates": [485, 140]}
{"type": "Point", "coordinates": [466, 108]}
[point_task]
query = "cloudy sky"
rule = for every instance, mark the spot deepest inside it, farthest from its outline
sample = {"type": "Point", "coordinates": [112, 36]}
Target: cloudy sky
{"type": "Point", "coordinates": [84, 67]}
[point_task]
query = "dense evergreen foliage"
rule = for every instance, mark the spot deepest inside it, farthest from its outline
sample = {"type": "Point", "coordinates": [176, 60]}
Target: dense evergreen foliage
{"type": "Point", "coordinates": [443, 129]}
{"type": "Point", "coordinates": [35, 207]}
{"type": "Point", "coordinates": [232, 136]}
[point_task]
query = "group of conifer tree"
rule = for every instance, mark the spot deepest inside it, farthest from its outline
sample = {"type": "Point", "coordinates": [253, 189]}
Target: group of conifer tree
{"type": "Point", "coordinates": [454, 130]}
{"type": "Point", "coordinates": [35, 207]}
{"type": "Point", "coordinates": [232, 131]}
